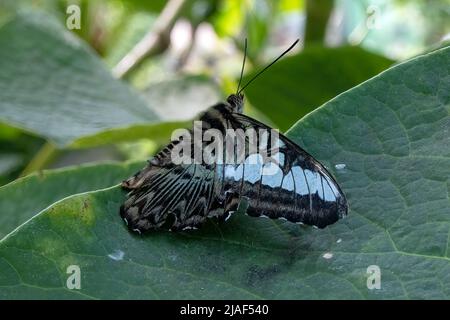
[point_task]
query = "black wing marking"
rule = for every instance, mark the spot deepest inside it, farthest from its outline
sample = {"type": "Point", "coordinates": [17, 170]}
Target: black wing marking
{"type": "Point", "coordinates": [301, 190]}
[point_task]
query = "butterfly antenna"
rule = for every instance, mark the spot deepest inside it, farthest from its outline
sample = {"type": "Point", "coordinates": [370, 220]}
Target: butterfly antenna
{"type": "Point", "coordinates": [268, 66]}
{"type": "Point", "coordinates": [243, 65]}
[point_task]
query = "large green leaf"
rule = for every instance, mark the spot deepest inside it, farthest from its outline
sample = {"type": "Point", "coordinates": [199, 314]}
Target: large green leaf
{"type": "Point", "coordinates": [299, 84]}
{"type": "Point", "coordinates": [53, 85]}
{"type": "Point", "coordinates": [183, 98]}
{"type": "Point", "coordinates": [390, 138]}
{"type": "Point", "coordinates": [23, 198]}
{"type": "Point", "coordinates": [174, 101]}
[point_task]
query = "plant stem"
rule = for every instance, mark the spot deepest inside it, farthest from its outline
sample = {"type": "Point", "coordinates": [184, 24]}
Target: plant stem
{"type": "Point", "coordinates": [152, 41]}
{"type": "Point", "coordinates": [47, 152]}
{"type": "Point", "coordinates": [317, 16]}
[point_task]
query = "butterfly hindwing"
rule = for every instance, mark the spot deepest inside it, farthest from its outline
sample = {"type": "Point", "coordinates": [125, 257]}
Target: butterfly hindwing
{"type": "Point", "coordinates": [298, 188]}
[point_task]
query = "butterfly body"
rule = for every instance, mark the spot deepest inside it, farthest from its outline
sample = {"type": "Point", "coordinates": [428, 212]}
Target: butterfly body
{"type": "Point", "coordinates": [183, 196]}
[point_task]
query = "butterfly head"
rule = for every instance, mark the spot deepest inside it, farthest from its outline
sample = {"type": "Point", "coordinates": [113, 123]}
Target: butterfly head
{"type": "Point", "coordinates": [236, 102]}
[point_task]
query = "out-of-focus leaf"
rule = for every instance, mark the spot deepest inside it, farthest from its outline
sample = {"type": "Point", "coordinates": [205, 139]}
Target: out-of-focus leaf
{"type": "Point", "coordinates": [152, 6]}
{"type": "Point", "coordinates": [196, 11]}
{"type": "Point", "coordinates": [298, 84]}
{"type": "Point", "coordinates": [253, 18]}
{"type": "Point", "coordinates": [184, 98]}
{"type": "Point", "coordinates": [228, 11]}
{"type": "Point", "coordinates": [51, 84]}
{"type": "Point", "coordinates": [9, 161]}
{"type": "Point", "coordinates": [258, 22]}
{"type": "Point", "coordinates": [159, 133]}
{"type": "Point", "coordinates": [176, 102]}
{"type": "Point", "coordinates": [16, 150]}
{"type": "Point", "coordinates": [317, 15]}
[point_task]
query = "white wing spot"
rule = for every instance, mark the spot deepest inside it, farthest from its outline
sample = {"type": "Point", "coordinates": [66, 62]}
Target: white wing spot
{"type": "Point", "coordinates": [117, 255]}
{"type": "Point", "coordinates": [190, 228]}
{"type": "Point", "coordinates": [288, 182]}
{"type": "Point", "coordinates": [327, 255]}
{"type": "Point", "coordinates": [313, 181]}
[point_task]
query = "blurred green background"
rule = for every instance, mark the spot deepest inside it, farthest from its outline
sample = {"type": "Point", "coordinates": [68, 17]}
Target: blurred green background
{"type": "Point", "coordinates": [193, 51]}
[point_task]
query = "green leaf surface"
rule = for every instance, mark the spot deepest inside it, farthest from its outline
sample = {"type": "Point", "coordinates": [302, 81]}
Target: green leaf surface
{"type": "Point", "coordinates": [23, 198]}
{"type": "Point", "coordinates": [53, 85]}
{"type": "Point", "coordinates": [300, 83]}
{"type": "Point", "coordinates": [391, 134]}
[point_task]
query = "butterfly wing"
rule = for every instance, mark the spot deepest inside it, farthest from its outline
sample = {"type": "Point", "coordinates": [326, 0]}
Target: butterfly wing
{"type": "Point", "coordinates": [176, 196]}
{"type": "Point", "coordinates": [298, 188]}
{"type": "Point", "coordinates": [183, 196]}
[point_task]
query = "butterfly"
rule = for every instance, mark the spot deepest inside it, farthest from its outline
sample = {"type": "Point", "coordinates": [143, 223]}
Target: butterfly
{"type": "Point", "coordinates": [174, 195]}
